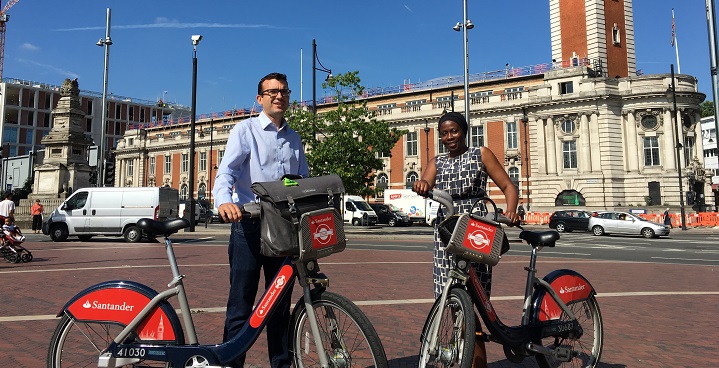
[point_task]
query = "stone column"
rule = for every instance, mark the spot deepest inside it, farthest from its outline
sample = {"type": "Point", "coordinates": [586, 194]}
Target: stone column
{"type": "Point", "coordinates": [669, 142]}
{"type": "Point", "coordinates": [633, 150]}
{"type": "Point", "coordinates": [596, 143]}
{"type": "Point", "coordinates": [541, 146]}
{"type": "Point", "coordinates": [551, 146]}
{"type": "Point", "coordinates": [585, 164]}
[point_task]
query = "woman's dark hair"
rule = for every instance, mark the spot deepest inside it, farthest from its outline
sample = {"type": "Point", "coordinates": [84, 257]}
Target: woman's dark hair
{"type": "Point", "coordinates": [279, 76]}
{"type": "Point", "coordinates": [455, 117]}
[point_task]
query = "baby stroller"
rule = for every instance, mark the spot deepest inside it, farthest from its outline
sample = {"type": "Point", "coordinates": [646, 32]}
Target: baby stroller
{"type": "Point", "coordinates": [12, 250]}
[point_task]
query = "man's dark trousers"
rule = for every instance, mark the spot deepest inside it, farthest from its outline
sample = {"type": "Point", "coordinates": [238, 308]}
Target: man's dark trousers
{"type": "Point", "coordinates": [246, 263]}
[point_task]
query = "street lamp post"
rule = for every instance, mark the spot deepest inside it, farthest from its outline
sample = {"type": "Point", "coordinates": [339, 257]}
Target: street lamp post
{"type": "Point", "coordinates": [426, 142]}
{"type": "Point", "coordinates": [191, 195]}
{"type": "Point", "coordinates": [465, 25]}
{"type": "Point", "coordinates": [106, 42]}
{"type": "Point", "coordinates": [678, 147]}
{"type": "Point", "coordinates": [322, 68]}
{"type": "Point", "coordinates": [209, 175]}
{"type": "Point", "coordinates": [525, 120]}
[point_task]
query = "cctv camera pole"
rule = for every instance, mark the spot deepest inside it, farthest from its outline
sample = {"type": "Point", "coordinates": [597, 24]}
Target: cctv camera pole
{"type": "Point", "coordinates": [101, 149]}
{"type": "Point", "coordinates": [466, 66]}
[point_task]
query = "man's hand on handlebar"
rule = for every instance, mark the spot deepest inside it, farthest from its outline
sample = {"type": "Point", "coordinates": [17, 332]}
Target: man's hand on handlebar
{"type": "Point", "coordinates": [230, 212]}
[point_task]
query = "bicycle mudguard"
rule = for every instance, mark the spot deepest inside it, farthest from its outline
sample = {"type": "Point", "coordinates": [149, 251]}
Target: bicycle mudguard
{"type": "Point", "coordinates": [569, 285]}
{"type": "Point", "coordinates": [119, 302]}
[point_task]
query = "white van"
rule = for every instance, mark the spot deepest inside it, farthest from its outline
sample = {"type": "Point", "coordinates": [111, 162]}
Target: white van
{"type": "Point", "coordinates": [408, 202]}
{"type": "Point", "coordinates": [358, 212]}
{"type": "Point", "coordinates": [110, 211]}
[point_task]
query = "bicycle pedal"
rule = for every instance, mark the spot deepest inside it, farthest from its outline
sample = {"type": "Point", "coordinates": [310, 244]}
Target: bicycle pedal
{"type": "Point", "coordinates": [482, 336]}
{"type": "Point", "coordinates": [563, 354]}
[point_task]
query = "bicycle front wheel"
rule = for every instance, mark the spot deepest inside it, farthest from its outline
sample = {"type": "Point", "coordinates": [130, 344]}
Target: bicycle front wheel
{"type": "Point", "coordinates": [455, 335]}
{"type": "Point", "coordinates": [79, 344]}
{"type": "Point", "coordinates": [588, 347]}
{"type": "Point", "coordinates": [348, 338]}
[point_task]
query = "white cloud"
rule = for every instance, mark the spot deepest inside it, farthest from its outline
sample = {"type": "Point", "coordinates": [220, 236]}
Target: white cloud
{"type": "Point", "coordinates": [51, 68]}
{"type": "Point", "coordinates": [29, 47]}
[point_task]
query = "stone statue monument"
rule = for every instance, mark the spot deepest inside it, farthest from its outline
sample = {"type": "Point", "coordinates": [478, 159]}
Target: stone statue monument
{"type": "Point", "coordinates": [65, 166]}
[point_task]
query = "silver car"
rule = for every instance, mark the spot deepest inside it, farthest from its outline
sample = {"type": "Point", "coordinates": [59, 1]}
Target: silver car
{"type": "Point", "coordinates": [625, 223]}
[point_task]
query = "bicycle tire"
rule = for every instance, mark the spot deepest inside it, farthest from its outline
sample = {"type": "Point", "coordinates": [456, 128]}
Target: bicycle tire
{"type": "Point", "coordinates": [335, 314]}
{"type": "Point", "coordinates": [79, 344]}
{"type": "Point", "coordinates": [589, 345]}
{"type": "Point", "coordinates": [456, 334]}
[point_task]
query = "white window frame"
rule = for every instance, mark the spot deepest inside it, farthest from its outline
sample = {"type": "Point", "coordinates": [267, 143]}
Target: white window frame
{"type": "Point", "coordinates": [168, 164]}
{"type": "Point", "coordinates": [203, 161]}
{"type": "Point", "coordinates": [651, 152]}
{"type": "Point", "coordinates": [476, 136]}
{"type": "Point", "coordinates": [185, 162]}
{"type": "Point", "coordinates": [512, 141]}
{"type": "Point", "coordinates": [569, 154]}
{"type": "Point", "coordinates": [411, 144]}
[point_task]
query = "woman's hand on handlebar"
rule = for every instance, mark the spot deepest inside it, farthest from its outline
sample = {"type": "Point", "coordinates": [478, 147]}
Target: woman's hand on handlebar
{"type": "Point", "coordinates": [230, 212]}
{"type": "Point", "coordinates": [513, 217]}
{"type": "Point", "coordinates": [421, 187]}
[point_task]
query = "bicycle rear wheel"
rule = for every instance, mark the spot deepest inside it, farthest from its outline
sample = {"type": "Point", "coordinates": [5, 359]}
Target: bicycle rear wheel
{"type": "Point", "coordinates": [456, 333]}
{"type": "Point", "coordinates": [589, 346]}
{"type": "Point", "coordinates": [348, 338]}
{"type": "Point", "coordinates": [79, 344]}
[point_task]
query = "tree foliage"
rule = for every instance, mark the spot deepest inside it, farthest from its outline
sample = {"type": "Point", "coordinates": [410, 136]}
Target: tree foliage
{"type": "Point", "coordinates": [707, 108]}
{"type": "Point", "coordinates": [346, 140]}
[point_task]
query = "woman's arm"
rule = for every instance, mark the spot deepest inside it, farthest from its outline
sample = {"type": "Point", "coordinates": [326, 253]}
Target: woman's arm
{"type": "Point", "coordinates": [500, 178]}
{"type": "Point", "coordinates": [423, 185]}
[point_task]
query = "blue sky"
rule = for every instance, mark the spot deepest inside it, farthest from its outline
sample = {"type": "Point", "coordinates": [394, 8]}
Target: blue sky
{"type": "Point", "coordinates": [389, 42]}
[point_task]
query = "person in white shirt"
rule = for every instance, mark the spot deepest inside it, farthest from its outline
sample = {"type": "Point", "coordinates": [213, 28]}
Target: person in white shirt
{"type": "Point", "coordinates": [7, 206]}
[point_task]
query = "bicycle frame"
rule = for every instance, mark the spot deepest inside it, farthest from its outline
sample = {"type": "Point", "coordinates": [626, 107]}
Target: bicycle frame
{"type": "Point", "coordinates": [104, 302]}
{"type": "Point", "coordinates": [539, 312]}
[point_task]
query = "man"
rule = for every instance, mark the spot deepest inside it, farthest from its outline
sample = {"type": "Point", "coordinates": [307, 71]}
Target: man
{"type": "Point", "coordinates": [521, 212]}
{"type": "Point", "coordinates": [258, 150]}
{"type": "Point", "coordinates": [7, 206]}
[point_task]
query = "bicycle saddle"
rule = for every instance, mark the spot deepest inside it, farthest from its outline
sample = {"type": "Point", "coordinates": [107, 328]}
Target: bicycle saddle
{"type": "Point", "coordinates": [154, 227]}
{"type": "Point", "coordinates": [542, 238]}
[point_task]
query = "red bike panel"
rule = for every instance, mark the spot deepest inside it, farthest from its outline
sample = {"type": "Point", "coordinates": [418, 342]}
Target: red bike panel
{"type": "Point", "coordinates": [271, 296]}
{"type": "Point", "coordinates": [121, 306]}
{"type": "Point", "coordinates": [571, 288]}
{"type": "Point", "coordinates": [323, 230]}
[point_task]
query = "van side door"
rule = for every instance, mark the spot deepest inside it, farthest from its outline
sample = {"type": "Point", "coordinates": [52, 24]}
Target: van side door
{"type": "Point", "coordinates": [76, 212]}
{"type": "Point", "coordinates": [104, 213]}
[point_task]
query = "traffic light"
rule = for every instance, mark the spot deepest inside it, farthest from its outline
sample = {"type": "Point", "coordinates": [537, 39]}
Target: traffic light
{"type": "Point", "coordinates": [110, 170]}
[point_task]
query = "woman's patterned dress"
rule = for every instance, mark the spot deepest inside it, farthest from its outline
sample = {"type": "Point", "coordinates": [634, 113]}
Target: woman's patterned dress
{"type": "Point", "coordinates": [462, 175]}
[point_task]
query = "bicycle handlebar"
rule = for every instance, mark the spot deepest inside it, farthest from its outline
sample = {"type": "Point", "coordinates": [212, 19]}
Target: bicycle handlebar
{"type": "Point", "coordinates": [445, 199]}
{"type": "Point", "coordinates": [251, 210]}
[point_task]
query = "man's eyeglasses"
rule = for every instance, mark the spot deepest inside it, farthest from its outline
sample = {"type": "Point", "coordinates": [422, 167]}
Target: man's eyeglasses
{"type": "Point", "coordinates": [274, 92]}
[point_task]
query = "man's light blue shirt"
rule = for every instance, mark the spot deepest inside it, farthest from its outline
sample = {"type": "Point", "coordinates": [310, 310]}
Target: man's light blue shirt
{"type": "Point", "coordinates": [256, 152]}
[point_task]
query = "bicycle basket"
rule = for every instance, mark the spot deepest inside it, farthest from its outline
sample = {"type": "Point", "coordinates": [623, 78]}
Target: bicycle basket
{"type": "Point", "coordinates": [321, 234]}
{"type": "Point", "coordinates": [474, 238]}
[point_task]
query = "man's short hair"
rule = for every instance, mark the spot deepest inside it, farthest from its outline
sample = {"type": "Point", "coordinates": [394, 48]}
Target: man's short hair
{"type": "Point", "coordinates": [279, 76]}
{"type": "Point", "coordinates": [7, 195]}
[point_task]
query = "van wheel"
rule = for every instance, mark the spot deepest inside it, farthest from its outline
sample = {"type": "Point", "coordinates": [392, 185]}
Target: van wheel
{"type": "Point", "coordinates": [58, 233]}
{"type": "Point", "coordinates": [133, 234]}
{"type": "Point", "coordinates": [84, 237]}
{"type": "Point", "coordinates": [355, 222]}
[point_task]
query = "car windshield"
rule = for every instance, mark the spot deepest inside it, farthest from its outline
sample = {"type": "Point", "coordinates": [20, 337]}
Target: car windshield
{"type": "Point", "coordinates": [362, 206]}
{"type": "Point", "coordinates": [393, 208]}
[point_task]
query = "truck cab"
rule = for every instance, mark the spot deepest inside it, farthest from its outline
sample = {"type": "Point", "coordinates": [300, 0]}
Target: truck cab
{"type": "Point", "coordinates": [358, 212]}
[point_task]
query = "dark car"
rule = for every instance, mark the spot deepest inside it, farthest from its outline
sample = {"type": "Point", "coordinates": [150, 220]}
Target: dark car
{"type": "Point", "coordinates": [570, 220]}
{"type": "Point", "coordinates": [390, 215]}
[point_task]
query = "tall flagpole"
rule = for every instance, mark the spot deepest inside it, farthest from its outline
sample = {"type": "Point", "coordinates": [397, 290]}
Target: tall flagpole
{"type": "Point", "coordinates": [675, 43]}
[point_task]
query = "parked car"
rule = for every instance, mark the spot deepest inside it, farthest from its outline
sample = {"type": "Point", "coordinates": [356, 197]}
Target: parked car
{"type": "Point", "coordinates": [184, 211]}
{"type": "Point", "coordinates": [214, 216]}
{"type": "Point", "coordinates": [611, 222]}
{"type": "Point", "coordinates": [570, 220]}
{"type": "Point", "coordinates": [390, 214]}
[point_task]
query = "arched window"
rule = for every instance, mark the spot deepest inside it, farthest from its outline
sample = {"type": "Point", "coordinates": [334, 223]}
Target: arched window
{"type": "Point", "coordinates": [201, 191]}
{"type": "Point", "coordinates": [411, 178]}
{"type": "Point", "coordinates": [382, 181]}
{"type": "Point", "coordinates": [183, 192]}
{"type": "Point", "coordinates": [569, 198]}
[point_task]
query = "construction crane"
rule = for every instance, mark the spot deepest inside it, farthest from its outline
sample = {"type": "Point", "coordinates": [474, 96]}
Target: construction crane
{"type": "Point", "coordinates": [3, 21]}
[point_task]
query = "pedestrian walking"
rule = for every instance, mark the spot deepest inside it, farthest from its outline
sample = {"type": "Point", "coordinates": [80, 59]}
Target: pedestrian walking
{"type": "Point", "coordinates": [667, 218]}
{"type": "Point", "coordinates": [521, 212]}
{"type": "Point", "coordinates": [7, 206]}
{"type": "Point", "coordinates": [259, 149]}
{"type": "Point", "coordinates": [36, 211]}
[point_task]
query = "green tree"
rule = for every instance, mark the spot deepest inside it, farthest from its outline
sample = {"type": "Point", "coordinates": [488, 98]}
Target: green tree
{"type": "Point", "coordinates": [707, 108]}
{"type": "Point", "coordinates": [347, 140]}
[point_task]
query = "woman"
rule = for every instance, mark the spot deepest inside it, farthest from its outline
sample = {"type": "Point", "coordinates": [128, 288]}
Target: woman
{"type": "Point", "coordinates": [464, 171]}
{"type": "Point", "coordinates": [36, 210]}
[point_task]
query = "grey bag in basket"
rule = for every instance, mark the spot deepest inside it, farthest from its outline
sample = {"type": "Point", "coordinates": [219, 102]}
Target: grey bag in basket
{"type": "Point", "coordinates": [283, 206]}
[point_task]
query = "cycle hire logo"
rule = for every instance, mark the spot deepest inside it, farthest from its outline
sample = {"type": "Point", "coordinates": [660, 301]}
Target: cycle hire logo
{"type": "Point", "coordinates": [479, 236]}
{"type": "Point", "coordinates": [322, 228]}
{"type": "Point", "coordinates": [271, 295]}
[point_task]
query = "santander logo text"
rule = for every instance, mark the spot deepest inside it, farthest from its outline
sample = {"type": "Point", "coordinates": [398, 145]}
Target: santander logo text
{"type": "Point", "coordinates": [107, 306]}
{"type": "Point", "coordinates": [571, 289]}
{"type": "Point", "coordinates": [271, 296]}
